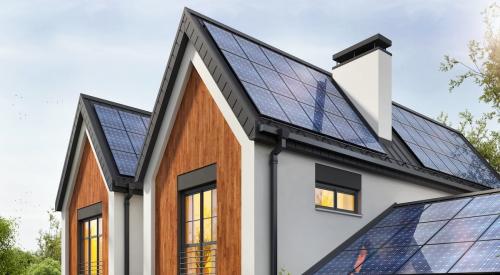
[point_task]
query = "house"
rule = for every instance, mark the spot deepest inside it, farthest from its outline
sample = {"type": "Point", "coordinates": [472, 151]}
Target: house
{"type": "Point", "coordinates": [253, 160]}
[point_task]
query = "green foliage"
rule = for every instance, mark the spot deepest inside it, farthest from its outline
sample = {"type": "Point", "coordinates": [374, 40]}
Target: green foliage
{"type": "Point", "coordinates": [48, 266]}
{"type": "Point", "coordinates": [49, 242]}
{"type": "Point", "coordinates": [283, 272]}
{"type": "Point", "coordinates": [483, 68]}
{"type": "Point", "coordinates": [45, 261]}
{"type": "Point", "coordinates": [12, 259]}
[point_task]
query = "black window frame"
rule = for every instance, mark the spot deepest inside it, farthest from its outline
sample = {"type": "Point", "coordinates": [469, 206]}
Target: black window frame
{"type": "Point", "coordinates": [84, 215]}
{"type": "Point", "coordinates": [196, 181]}
{"type": "Point", "coordinates": [182, 211]}
{"type": "Point", "coordinates": [335, 189]}
{"type": "Point", "coordinates": [338, 180]}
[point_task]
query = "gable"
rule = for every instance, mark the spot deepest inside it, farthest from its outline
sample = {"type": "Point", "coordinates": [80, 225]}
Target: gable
{"type": "Point", "coordinates": [115, 134]}
{"type": "Point", "coordinates": [89, 189]}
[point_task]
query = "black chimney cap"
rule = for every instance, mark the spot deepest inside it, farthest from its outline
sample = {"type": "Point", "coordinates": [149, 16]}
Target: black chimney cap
{"type": "Point", "coordinates": [377, 41]}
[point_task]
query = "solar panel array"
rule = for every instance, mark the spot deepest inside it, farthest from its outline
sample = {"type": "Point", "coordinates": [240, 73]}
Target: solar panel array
{"type": "Point", "coordinates": [451, 236]}
{"type": "Point", "coordinates": [441, 149]}
{"type": "Point", "coordinates": [125, 133]}
{"type": "Point", "coordinates": [289, 91]}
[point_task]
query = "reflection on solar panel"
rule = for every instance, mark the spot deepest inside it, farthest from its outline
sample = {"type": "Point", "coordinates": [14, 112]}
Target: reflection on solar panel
{"type": "Point", "coordinates": [441, 149]}
{"type": "Point", "coordinates": [286, 90]}
{"type": "Point", "coordinates": [454, 236]}
{"type": "Point", "coordinates": [125, 133]}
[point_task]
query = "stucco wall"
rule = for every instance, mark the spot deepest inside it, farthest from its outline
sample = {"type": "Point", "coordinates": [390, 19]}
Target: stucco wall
{"type": "Point", "coordinates": [306, 234]}
{"type": "Point", "coordinates": [136, 235]}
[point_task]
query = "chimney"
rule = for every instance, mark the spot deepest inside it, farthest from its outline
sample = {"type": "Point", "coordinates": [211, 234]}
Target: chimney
{"type": "Point", "coordinates": [364, 72]}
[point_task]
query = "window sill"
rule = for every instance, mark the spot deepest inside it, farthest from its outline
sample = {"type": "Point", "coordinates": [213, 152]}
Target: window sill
{"type": "Point", "coordinates": [321, 209]}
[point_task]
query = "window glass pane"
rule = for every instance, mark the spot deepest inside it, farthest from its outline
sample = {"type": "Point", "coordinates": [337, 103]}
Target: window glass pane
{"type": "Point", "coordinates": [93, 228]}
{"type": "Point", "coordinates": [214, 203]}
{"type": "Point", "coordinates": [85, 229]}
{"type": "Point", "coordinates": [207, 204]}
{"type": "Point", "coordinates": [214, 229]}
{"type": "Point", "coordinates": [209, 258]}
{"type": "Point", "coordinates": [189, 208]}
{"type": "Point", "coordinates": [189, 232]}
{"type": "Point", "coordinates": [196, 231]}
{"type": "Point", "coordinates": [196, 206]}
{"type": "Point", "coordinates": [85, 254]}
{"type": "Point", "coordinates": [93, 255]}
{"type": "Point", "coordinates": [99, 221]}
{"type": "Point", "coordinates": [207, 230]}
{"type": "Point", "coordinates": [324, 197]}
{"type": "Point", "coordinates": [345, 201]}
{"type": "Point", "coordinates": [100, 252]}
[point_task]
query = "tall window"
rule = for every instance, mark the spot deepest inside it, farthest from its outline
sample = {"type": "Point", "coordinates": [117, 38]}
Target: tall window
{"type": "Point", "coordinates": [90, 240]}
{"type": "Point", "coordinates": [199, 240]}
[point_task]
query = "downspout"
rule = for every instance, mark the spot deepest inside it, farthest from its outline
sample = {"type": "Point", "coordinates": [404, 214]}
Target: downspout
{"type": "Point", "coordinates": [126, 205]}
{"type": "Point", "coordinates": [280, 145]}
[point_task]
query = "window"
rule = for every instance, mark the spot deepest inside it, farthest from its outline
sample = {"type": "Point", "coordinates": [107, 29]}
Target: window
{"type": "Point", "coordinates": [90, 242]}
{"type": "Point", "coordinates": [337, 189]}
{"type": "Point", "coordinates": [199, 240]}
{"type": "Point", "coordinates": [329, 196]}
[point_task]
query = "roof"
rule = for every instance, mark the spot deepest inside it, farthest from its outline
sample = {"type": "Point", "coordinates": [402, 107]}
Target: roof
{"type": "Point", "coordinates": [264, 97]}
{"type": "Point", "coordinates": [458, 234]}
{"type": "Point", "coordinates": [117, 144]}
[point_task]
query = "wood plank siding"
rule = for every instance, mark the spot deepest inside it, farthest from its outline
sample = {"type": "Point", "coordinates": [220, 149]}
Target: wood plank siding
{"type": "Point", "coordinates": [89, 189]}
{"type": "Point", "coordinates": [200, 137]}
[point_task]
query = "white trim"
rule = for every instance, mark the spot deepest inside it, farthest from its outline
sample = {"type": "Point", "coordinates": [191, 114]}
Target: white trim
{"type": "Point", "coordinates": [155, 161]}
{"type": "Point", "coordinates": [191, 59]}
{"type": "Point", "coordinates": [247, 168]}
{"type": "Point", "coordinates": [67, 196]}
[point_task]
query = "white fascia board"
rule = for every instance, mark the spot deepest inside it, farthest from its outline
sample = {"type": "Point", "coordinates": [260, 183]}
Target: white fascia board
{"type": "Point", "coordinates": [65, 237]}
{"type": "Point", "coordinates": [190, 60]}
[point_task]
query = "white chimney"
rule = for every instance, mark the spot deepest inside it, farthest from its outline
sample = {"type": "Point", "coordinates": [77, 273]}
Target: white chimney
{"type": "Point", "coordinates": [364, 72]}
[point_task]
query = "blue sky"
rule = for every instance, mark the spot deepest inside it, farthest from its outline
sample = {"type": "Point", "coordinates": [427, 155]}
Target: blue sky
{"type": "Point", "coordinates": [51, 51]}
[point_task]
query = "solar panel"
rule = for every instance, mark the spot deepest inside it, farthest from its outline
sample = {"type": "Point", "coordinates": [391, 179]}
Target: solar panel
{"type": "Point", "coordinates": [454, 235]}
{"type": "Point", "coordinates": [291, 92]}
{"type": "Point", "coordinates": [125, 133]}
{"type": "Point", "coordinates": [386, 260]}
{"type": "Point", "coordinates": [441, 149]}
{"type": "Point", "coordinates": [482, 257]}
{"type": "Point", "coordinates": [434, 258]}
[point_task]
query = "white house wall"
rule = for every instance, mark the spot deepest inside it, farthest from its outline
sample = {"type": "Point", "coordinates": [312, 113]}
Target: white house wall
{"type": "Point", "coordinates": [136, 235]}
{"type": "Point", "coordinates": [306, 235]}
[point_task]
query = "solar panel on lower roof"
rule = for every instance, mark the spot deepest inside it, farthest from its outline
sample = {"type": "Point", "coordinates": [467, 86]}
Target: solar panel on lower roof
{"type": "Point", "coordinates": [289, 91]}
{"type": "Point", "coordinates": [466, 238]}
{"type": "Point", "coordinates": [440, 148]}
{"type": "Point", "coordinates": [125, 133]}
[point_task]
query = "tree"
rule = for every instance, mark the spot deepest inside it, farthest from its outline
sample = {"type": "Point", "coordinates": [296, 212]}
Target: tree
{"type": "Point", "coordinates": [12, 259]}
{"type": "Point", "coordinates": [483, 68]}
{"type": "Point", "coordinates": [48, 266]}
{"type": "Point", "coordinates": [49, 242]}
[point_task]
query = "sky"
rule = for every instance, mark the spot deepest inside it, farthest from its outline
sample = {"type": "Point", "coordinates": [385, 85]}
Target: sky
{"type": "Point", "coordinates": [51, 51]}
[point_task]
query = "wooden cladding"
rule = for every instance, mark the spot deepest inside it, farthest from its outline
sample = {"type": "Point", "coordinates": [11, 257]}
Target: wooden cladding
{"type": "Point", "coordinates": [89, 189]}
{"type": "Point", "coordinates": [200, 137]}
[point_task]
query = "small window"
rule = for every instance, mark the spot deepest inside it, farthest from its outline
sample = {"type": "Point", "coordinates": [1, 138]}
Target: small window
{"type": "Point", "coordinates": [336, 198]}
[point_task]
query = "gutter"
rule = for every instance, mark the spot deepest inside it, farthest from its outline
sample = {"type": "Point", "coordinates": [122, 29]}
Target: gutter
{"type": "Point", "coordinates": [126, 205]}
{"type": "Point", "coordinates": [280, 145]}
